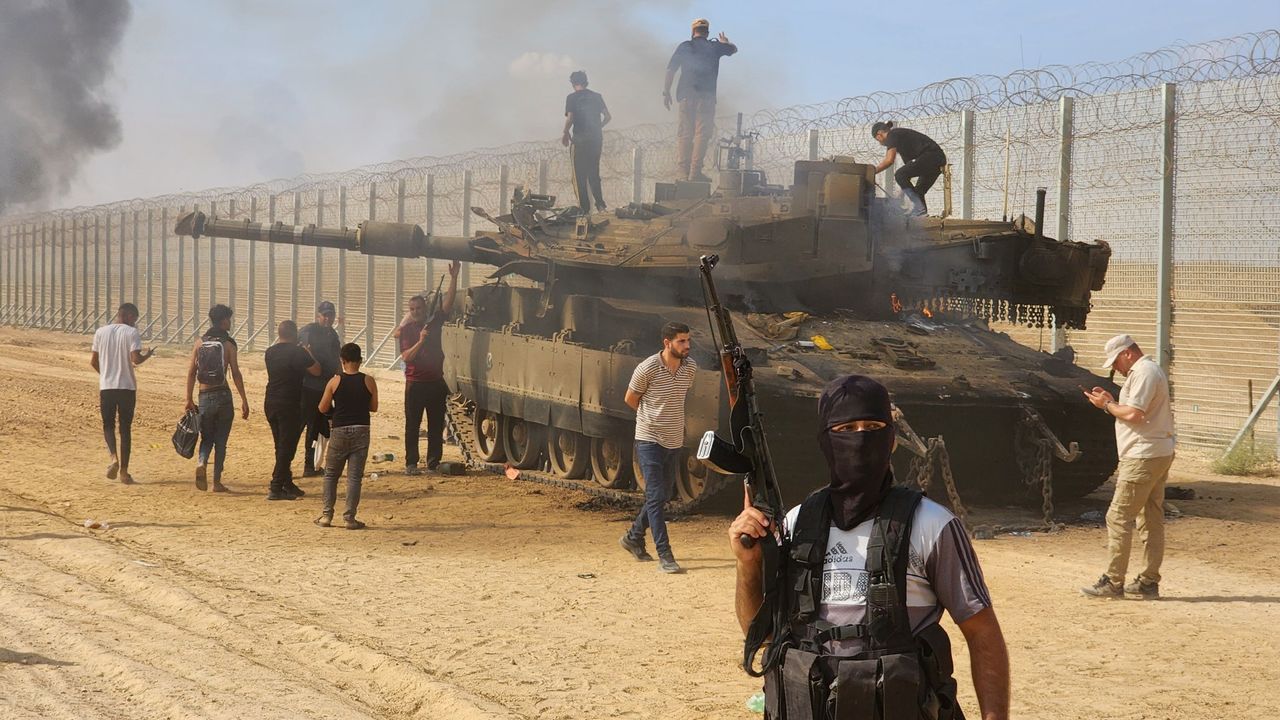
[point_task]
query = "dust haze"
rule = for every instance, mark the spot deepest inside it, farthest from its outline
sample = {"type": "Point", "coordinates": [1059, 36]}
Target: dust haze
{"type": "Point", "coordinates": [54, 58]}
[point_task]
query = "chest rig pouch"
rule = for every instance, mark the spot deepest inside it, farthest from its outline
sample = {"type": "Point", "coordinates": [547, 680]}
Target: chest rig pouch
{"type": "Point", "coordinates": [900, 676]}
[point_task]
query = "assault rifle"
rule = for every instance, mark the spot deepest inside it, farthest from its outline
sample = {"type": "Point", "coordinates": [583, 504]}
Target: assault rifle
{"type": "Point", "coordinates": [746, 453]}
{"type": "Point", "coordinates": [435, 301]}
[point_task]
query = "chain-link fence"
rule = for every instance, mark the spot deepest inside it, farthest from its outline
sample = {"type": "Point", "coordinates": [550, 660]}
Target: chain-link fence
{"type": "Point", "coordinates": [1095, 135]}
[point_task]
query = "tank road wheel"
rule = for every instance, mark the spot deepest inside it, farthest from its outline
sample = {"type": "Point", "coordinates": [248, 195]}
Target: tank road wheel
{"type": "Point", "coordinates": [488, 436]}
{"type": "Point", "coordinates": [569, 453]}
{"type": "Point", "coordinates": [523, 442]}
{"type": "Point", "coordinates": [611, 461]}
{"type": "Point", "coordinates": [694, 480]}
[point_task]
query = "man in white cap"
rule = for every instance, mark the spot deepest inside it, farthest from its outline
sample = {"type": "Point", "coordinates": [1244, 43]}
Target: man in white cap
{"type": "Point", "coordinates": [1145, 441]}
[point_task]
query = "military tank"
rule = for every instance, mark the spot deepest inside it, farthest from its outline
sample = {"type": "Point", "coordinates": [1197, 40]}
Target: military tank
{"type": "Point", "coordinates": [827, 277]}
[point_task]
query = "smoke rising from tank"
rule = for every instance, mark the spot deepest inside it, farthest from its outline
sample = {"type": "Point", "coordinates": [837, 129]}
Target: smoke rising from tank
{"type": "Point", "coordinates": [55, 56]}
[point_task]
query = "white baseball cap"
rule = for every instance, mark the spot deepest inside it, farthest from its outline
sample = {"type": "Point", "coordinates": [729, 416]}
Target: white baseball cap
{"type": "Point", "coordinates": [1114, 347]}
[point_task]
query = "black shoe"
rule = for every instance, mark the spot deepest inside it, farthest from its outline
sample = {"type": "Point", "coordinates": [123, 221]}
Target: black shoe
{"type": "Point", "coordinates": [699, 178]}
{"type": "Point", "coordinates": [601, 207]}
{"type": "Point", "coordinates": [280, 494]}
{"type": "Point", "coordinates": [293, 490]}
{"type": "Point", "coordinates": [412, 470]}
{"type": "Point", "coordinates": [311, 472]}
{"type": "Point", "coordinates": [668, 565]}
{"type": "Point", "coordinates": [635, 548]}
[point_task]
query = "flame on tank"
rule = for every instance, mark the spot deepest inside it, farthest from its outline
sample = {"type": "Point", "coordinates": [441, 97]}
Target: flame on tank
{"type": "Point", "coordinates": [926, 313]}
{"type": "Point", "coordinates": [895, 303]}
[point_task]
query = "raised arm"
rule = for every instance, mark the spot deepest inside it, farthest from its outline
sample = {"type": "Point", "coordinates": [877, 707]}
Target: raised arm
{"type": "Point", "coordinates": [446, 303]}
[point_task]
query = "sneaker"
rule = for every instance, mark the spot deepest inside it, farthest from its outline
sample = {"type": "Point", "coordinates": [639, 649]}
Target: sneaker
{"type": "Point", "coordinates": [201, 482]}
{"type": "Point", "coordinates": [1104, 588]}
{"type": "Point", "coordinates": [635, 548]}
{"type": "Point", "coordinates": [353, 524]}
{"type": "Point", "coordinates": [1140, 590]}
{"type": "Point", "coordinates": [293, 490]}
{"type": "Point", "coordinates": [324, 521]}
{"type": "Point", "coordinates": [668, 565]}
{"type": "Point", "coordinates": [112, 469]}
{"type": "Point", "coordinates": [280, 494]}
{"type": "Point", "coordinates": [412, 470]}
{"type": "Point", "coordinates": [699, 177]}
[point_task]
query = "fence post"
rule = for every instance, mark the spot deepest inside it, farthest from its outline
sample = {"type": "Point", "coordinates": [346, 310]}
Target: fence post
{"type": "Point", "coordinates": [180, 318]}
{"type": "Point", "coordinates": [543, 168]}
{"type": "Point", "coordinates": [966, 167]}
{"type": "Point", "coordinates": [231, 269]}
{"type": "Point", "coordinates": [295, 263]}
{"type": "Point", "coordinates": [319, 267]}
{"type": "Point", "coordinates": [813, 144]}
{"type": "Point", "coordinates": [504, 197]}
{"type": "Point", "coordinates": [1066, 112]}
{"type": "Point", "coordinates": [429, 266]}
{"type": "Point", "coordinates": [151, 311]}
{"type": "Point", "coordinates": [1164, 272]}
{"type": "Point", "coordinates": [637, 175]}
{"type": "Point", "coordinates": [464, 281]}
{"type": "Point", "coordinates": [62, 274]}
{"type": "Point", "coordinates": [195, 282]}
{"type": "Point", "coordinates": [369, 276]}
{"type": "Point", "coordinates": [398, 292]}
{"type": "Point", "coordinates": [271, 270]}
{"type": "Point", "coordinates": [133, 269]}
{"type": "Point", "coordinates": [342, 263]}
{"type": "Point", "coordinates": [251, 289]}
{"type": "Point", "coordinates": [97, 271]}
{"type": "Point", "coordinates": [164, 274]}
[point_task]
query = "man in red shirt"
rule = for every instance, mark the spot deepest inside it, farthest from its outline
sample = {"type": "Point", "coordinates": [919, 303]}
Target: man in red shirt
{"type": "Point", "coordinates": [424, 386]}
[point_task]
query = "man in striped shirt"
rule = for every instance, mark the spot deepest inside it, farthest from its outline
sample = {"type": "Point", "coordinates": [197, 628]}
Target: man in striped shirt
{"type": "Point", "coordinates": [657, 391]}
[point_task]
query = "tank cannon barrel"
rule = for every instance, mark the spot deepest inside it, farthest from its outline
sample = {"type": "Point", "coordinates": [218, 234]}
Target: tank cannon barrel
{"type": "Point", "coordinates": [370, 237]}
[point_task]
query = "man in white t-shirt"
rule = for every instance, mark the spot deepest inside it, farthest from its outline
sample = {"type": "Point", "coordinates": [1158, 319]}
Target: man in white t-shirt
{"type": "Point", "coordinates": [117, 348]}
{"type": "Point", "coordinates": [1145, 440]}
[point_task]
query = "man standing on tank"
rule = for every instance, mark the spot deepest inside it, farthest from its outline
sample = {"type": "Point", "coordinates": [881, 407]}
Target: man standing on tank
{"type": "Point", "coordinates": [586, 114]}
{"type": "Point", "coordinates": [322, 340]}
{"type": "Point", "coordinates": [698, 60]}
{"type": "Point", "coordinates": [657, 392]}
{"type": "Point", "coordinates": [424, 386]}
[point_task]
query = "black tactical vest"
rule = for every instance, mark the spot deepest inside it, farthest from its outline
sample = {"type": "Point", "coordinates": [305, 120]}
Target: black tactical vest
{"type": "Point", "coordinates": [900, 676]}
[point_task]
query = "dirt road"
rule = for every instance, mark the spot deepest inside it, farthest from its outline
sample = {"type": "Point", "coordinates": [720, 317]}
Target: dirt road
{"type": "Point", "coordinates": [479, 597]}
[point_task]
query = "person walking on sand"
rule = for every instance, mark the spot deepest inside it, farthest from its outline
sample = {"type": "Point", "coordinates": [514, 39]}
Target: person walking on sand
{"type": "Point", "coordinates": [117, 348]}
{"type": "Point", "coordinates": [351, 396]}
{"type": "Point", "coordinates": [288, 366]}
{"type": "Point", "coordinates": [214, 355]}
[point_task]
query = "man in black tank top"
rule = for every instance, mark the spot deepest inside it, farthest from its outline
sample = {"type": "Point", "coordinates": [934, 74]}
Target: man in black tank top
{"type": "Point", "coordinates": [352, 396]}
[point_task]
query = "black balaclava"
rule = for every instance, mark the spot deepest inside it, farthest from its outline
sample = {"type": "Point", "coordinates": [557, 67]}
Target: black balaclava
{"type": "Point", "coordinates": [859, 462]}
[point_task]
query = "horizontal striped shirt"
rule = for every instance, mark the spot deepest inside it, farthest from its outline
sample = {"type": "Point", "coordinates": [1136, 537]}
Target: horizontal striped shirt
{"type": "Point", "coordinates": [660, 417]}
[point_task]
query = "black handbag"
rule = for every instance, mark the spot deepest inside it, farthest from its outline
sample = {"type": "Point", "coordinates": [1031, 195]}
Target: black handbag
{"type": "Point", "coordinates": [186, 434]}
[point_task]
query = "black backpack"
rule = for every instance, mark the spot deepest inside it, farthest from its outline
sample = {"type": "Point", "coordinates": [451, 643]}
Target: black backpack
{"type": "Point", "coordinates": [900, 676]}
{"type": "Point", "coordinates": [211, 363]}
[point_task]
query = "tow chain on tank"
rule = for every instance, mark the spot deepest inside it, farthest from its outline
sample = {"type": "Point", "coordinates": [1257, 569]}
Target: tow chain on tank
{"type": "Point", "coordinates": [463, 429]}
{"type": "Point", "coordinates": [1036, 446]}
{"type": "Point", "coordinates": [931, 457]}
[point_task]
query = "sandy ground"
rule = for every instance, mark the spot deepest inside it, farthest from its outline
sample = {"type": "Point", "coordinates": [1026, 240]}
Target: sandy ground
{"type": "Point", "coordinates": [482, 597]}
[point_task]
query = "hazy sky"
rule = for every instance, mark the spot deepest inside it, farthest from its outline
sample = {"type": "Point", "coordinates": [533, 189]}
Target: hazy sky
{"type": "Point", "coordinates": [228, 92]}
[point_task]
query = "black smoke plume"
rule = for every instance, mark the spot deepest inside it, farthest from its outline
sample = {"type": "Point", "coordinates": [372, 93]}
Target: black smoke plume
{"type": "Point", "coordinates": [55, 56]}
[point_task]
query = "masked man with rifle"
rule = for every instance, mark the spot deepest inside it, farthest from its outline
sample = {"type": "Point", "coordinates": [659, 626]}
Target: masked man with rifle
{"type": "Point", "coordinates": [866, 571]}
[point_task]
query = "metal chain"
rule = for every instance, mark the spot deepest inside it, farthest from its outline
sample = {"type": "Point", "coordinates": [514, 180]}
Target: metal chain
{"type": "Point", "coordinates": [1044, 453]}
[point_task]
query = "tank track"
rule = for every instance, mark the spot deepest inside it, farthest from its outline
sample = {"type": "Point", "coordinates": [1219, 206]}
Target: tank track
{"type": "Point", "coordinates": [462, 430]}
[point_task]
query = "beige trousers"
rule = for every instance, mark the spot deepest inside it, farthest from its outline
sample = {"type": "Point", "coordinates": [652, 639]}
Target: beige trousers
{"type": "Point", "coordinates": [697, 126]}
{"type": "Point", "coordinates": [1137, 504]}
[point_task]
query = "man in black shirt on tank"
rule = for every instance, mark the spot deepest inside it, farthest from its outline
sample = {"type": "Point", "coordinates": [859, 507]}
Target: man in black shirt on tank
{"type": "Point", "coordinates": [922, 157]}
{"type": "Point", "coordinates": [288, 363]}
{"type": "Point", "coordinates": [586, 114]}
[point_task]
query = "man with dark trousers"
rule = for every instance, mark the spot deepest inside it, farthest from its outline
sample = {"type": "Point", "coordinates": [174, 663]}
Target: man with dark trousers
{"type": "Point", "coordinates": [586, 114]}
{"type": "Point", "coordinates": [424, 386]}
{"type": "Point", "coordinates": [288, 365]}
{"type": "Point", "coordinates": [698, 61]}
{"type": "Point", "coordinates": [117, 350]}
{"type": "Point", "coordinates": [322, 340]}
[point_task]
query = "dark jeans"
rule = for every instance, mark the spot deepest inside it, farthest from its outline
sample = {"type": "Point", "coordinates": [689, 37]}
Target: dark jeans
{"type": "Point", "coordinates": [925, 169]}
{"type": "Point", "coordinates": [348, 445]}
{"type": "Point", "coordinates": [315, 422]}
{"type": "Point", "coordinates": [122, 402]}
{"type": "Point", "coordinates": [286, 425]}
{"type": "Point", "coordinates": [659, 466]}
{"type": "Point", "coordinates": [585, 152]}
{"type": "Point", "coordinates": [429, 396]}
{"type": "Point", "coordinates": [217, 412]}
